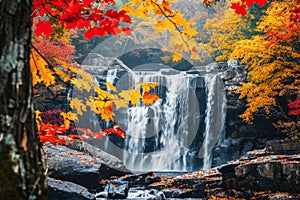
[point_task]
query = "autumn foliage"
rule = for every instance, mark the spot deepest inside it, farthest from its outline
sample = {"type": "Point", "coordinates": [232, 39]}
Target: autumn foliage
{"type": "Point", "coordinates": [267, 44]}
{"type": "Point", "coordinates": [269, 49]}
{"type": "Point", "coordinates": [52, 128]}
{"type": "Point", "coordinates": [94, 17]}
{"type": "Point", "coordinates": [52, 62]}
{"type": "Point", "coordinates": [241, 6]}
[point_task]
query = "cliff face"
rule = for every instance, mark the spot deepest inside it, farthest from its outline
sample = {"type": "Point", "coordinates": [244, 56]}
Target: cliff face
{"type": "Point", "coordinates": [240, 137]}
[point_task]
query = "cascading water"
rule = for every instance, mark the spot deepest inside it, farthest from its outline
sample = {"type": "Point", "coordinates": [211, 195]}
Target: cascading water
{"type": "Point", "coordinates": [165, 124]}
{"type": "Point", "coordinates": [160, 136]}
{"type": "Point", "coordinates": [111, 76]}
{"type": "Point", "coordinates": [215, 116]}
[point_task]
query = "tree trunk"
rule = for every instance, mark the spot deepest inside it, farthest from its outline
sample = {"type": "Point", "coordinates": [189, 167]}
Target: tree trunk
{"type": "Point", "coordinates": [21, 174]}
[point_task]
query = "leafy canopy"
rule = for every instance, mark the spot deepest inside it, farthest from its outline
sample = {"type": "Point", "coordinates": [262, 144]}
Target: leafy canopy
{"type": "Point", "coordinates": [51, 60]}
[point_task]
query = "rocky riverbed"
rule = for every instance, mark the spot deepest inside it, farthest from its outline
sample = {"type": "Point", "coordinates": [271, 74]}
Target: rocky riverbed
{"type": "Point", "coordinates": [82, 171]}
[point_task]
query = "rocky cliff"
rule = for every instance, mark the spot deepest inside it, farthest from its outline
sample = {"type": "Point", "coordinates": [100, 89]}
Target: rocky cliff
{"type": "Point", "coordinates": [240, 137]}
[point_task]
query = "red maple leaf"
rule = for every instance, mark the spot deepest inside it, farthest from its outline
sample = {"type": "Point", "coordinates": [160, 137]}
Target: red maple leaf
{"type": "Point", "coordinates": [44, 27]}
{"type": "Point", "coordinates": [116, 130]}
{"type": "Point", "coordinates": [239, 9]}
{"type": "Point", "coordinates": [250, 2]}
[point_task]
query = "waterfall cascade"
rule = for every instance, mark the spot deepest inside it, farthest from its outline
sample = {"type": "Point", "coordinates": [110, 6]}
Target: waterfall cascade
{"type": "Point", "coordinates": [215, 116]}
{"type": "Point", "coordinates": [158, 134]}
{"type": "Point", "coordinates": [175, 133]}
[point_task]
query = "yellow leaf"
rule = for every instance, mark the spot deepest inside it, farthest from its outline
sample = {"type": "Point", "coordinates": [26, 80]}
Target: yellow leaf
{"type": "Point", "coordinates": [67, 66]}
{"type": "Point", "coordinates": [176, 57]}
{"type": "Point", "coordinates": [40, 71]}
{"type": "Point", "coordinates": [131, 95]}
{"type": "Point", "coordinates": [120, 103]}
{"type": "Point", "coordinates": [135, 2]}
{"type": "Point", "coordinates": [68, 117]}
{"type": "Point", "coordinates": [61, 73]}
{"type": "Point", "coordinates": [111, 87]}
{"type": "Point", "coordinates": [190, 31]}
{"type": "Point", "coordinates": [86, 76]}
{"type": "Point", "coordinates": [81, 84]}
{"type": "Point", "coordinates": [78, 105]}
{"type": "Point", "coordinates": [102, 94]}
{"type": "Point", "coordinates": [147, 86]}
{"type": "Point", "coordinates": [38, 119]}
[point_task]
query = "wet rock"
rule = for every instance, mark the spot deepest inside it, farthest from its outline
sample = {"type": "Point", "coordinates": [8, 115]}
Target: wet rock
{"type": "Point", "coordinates": [229, 74]}
{"type": "Point", "coordinates": [248, 145]}
{"type": "Point", "coordinates": [143, 179]}
{"type": "Point", "coordinates": [222, 66]}
{"type": "Point", "coordinates": [177, 193]}
{"type": "Point", "coordinates": [158, 185]}
{"type": "Point", "coordinates": [282, 147]}
{"type": "Point", "coordinates": [70, 165]}
{"type": "Point", "coordinates": [58, 189]}
{"type": "Point", "coordinates": [81, 168]}
{"type": "Point", "coordinates": [274, 172]}
{"type": "Point", "coordinates": [116, 166]}
{"type": "Point", "coordinates": [228, 176]}
{"type": "Point", "coordinates": [117, 189]}
{"type": "Point", "coordinates": [230, 149]}
{"type": "Point", "coordinates": [260, 142]}
{"type": "Point", "coordinates": [254, 154]}
{"type": "Point", "coordinates": [234, 104]}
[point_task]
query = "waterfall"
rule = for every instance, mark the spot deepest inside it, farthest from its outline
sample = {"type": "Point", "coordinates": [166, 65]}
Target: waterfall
{"type": "Point", "coordinates": [162, 136]}
{"type": "Point", "coordinates": [215, 116]}
{"type": "Point", "coordinates": [111, 76]}
{"type": "Point", "coordinates": [164, 124]}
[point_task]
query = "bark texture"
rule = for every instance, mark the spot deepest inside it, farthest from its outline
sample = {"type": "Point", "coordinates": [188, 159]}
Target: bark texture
{"type": "Point", "coordinates": [21, 174]}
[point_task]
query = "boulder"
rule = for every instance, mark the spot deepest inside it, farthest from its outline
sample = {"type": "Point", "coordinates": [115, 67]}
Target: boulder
{"type": "Point", "coordinates": [282, 146]}
{"type": "Point", "coordinates": [143, 179]}
{"type": "Point", "coordinates": [58, 189]}
{"type": "Point", "coordinates": [261, 173]}
{"type": "Point", "coordinates": [111, 165]}
{"type": "Point", "coordinates": [117, 189]}
{"type": "Point", "coordinates": [79, 167]}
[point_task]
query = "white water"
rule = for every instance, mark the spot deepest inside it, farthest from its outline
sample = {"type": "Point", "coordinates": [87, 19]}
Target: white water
{"type": "Point", "coordinates": [159, 136]}
{"type": "Point", "coordinates": [168, 117]}
{"type": "Point", "coordinates": [215, 117]}
{"type": "Point", "coordinates": [111, 76]}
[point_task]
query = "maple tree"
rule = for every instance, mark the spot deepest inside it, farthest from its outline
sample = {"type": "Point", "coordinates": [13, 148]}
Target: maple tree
{"type": "Point", "coordinates": [269, 49]}
{"type": "Point", "coordinates": [51, 60]}
{"type": "Point", "coordinates": [241, 6]}
{"type": "Point", "coordinates": [224, 30]}
{"type": "Point", "coordinates": [102, 103]}
{"type": "Point", "coordinates": [271, 58]}
{"type": "Point", "coordinates": [95, 17]}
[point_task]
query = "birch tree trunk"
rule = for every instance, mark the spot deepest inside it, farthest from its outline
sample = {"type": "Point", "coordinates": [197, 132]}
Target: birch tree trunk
{"type": "Point", "coordinates": [21, 174]}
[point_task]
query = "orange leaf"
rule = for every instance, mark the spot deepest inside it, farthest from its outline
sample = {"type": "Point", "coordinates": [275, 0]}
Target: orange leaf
{"type": "Point", "coordinates": [149, 99]}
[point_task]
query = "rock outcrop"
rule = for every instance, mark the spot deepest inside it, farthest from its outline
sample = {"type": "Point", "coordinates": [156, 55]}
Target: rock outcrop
{"type": "Point", "coordinates": [261, 172]}
{"type": "Point", "coordinates": [86, 168]}
{"type": "Point", "coordinates": [254, 176]}
{"type": "Point", "coordinates": [240, 137]}
{"type": "Point", "coordinates": [75, 174]}
{"type": "Point", "coordinates": [58, 189]}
